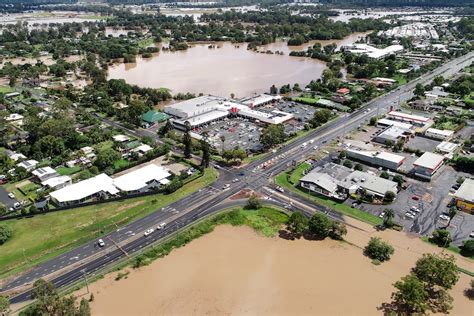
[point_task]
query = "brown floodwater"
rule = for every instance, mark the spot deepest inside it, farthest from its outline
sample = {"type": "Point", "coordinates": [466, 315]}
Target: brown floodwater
{"type": "Point", "coordinates": [230, 68]}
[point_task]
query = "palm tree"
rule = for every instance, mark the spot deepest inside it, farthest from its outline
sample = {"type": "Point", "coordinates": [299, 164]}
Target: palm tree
{"type": "Point", "coordinates": [388, 217]}
{"type": "Point", "coordinates": [222, 138]}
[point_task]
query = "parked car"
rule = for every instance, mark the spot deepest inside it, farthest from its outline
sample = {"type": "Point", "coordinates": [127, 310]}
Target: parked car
{"type": "Point", "coordinates": [280, 189]}
{"type": "Point", "coordinates": [381, 215]}
{"type": "Point", "coordinates": [410, 215]}
{"type": "Point", "coordinates": [11, 195]}
{"type": "Point", "coordinates": [414, 209]}
{"type": "Point", "coordinates": [101, 243]}
{"type": "Point", "coordinates": [471, 234]}
{"type": "Point", "coordinates": [148, 232]}
{"type": "Point", "coordinates": [444, 217]}
{"type": "Point", "coordinates": [17, 205]}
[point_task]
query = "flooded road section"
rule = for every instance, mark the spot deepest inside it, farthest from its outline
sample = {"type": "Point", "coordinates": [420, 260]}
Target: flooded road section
{"type": "Point", "coordinates": [229, 68]}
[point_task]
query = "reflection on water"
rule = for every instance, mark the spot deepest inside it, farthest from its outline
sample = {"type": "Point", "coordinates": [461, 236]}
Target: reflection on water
{"type": "Point", "coordinates": [230, 68]}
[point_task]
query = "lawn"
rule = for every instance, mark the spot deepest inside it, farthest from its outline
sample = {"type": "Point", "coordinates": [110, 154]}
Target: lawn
{"type": "Point", "coordinates": [121, 164]}
{"type": "Point", "coordinates": [65, 171]}
{"type": "Point", "coordinates": [400, 79]}
{"type": "Point", "coordinates": [298, 173]}
{"type": "Point", "coordinates": [306, 98]}
{"type": "Point", "coordinates": [45, 236]}
{"type": "Point", "coordinates": [5, 89]}
{"type": "Point", "coordinates": [282, 180]}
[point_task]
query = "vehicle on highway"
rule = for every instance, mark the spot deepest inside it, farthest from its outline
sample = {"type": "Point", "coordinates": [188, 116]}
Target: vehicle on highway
{"type": "Point", "coordinates": [471, 234]}
{"type": "Point", "coordinates": [148, 232]}
{"type": "Point", "coordinates": [101, 243]}
{"type": "Point", "coordinates": [226, 186]}
{"type": "Point", "coordinates": [280, 189]}
{"type": "Point", "coordinates": [315, 147]}
{"type": "Point", "coordinates": [235, 180]}
{"type": "Point", "coordinates": [304, 145]}
{"type": "Point", "coordinates": [161, 226]}
{"type": "Point", "coordinates": [11, 195]}
{"type": "Point", "coordinates": [311, 141]}
{"type": "Point", "coordinates": [381, 215]}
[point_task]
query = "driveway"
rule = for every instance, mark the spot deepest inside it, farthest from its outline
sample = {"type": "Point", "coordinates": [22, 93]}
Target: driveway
{"type": "Point", "coordinates": [5, 199]}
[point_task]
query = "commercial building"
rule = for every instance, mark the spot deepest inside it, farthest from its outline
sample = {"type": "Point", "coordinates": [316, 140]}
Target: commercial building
{"type": "Point", "coordinates": [205, 109]}
{"type": "Point", "coordinates": [441, 134]}
{"type": "Point", "coordinates": [388, 123]}
{"type": "Point", "coordinates": [142, 179]}
{"type": "Point", "coordinates": [416, 30]}
{"type": "Point", "coordinates": [100, 186]}
{"type": "Point", "coordinates": [409, 118]}
{"type": "Point", "coordinates": [45, 173]}
{"type": "Point", "coordinates": [373, 185]}
{"type": "Point", "coordinates": [464, 196]}
{"type": "Point", "coordinates": [120, 138]}
{"type": "Point", "coordinates": [261, 99]}
{"type": "Point", "coordinates": [372, 52]}
{"type": "Point", "coordinates": [377, 158]}
{"type": "Point", "coordinates": [392, 135]}
{"type": "Point", "coordinates": [337, 181]}
{"type": "Point", "coordinates": [427, 165]}
{"type": "Point", "coordinates": [447, 147]}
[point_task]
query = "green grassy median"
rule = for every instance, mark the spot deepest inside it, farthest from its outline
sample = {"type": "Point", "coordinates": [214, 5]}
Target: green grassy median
{"type": "Point", "coordinates": [42, 237]}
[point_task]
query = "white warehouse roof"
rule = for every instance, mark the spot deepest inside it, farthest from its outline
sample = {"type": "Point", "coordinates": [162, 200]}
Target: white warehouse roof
{"type": "Point", "coordinates": [447, 147]}
{"type": "Point", "coordinates": [407, 116]}
{"type": "Point", "coordinates": [85, 188]}
{"type": "Point", "coordinates": [388, 122]}
{"type": "Point", "coordinates": [466, 191]}
{"type": "Point", "coordinates": [139, 178]}
{"type": "Point", "coordinates": [429, 160]}
{"type": "Point", "coordinates": [56, 181]}
{"type": "Point", "coordinates": [442, 132]}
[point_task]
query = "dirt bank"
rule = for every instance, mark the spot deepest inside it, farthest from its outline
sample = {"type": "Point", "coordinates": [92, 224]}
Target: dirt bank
{"type": "Point", "coordinates": [235, 271]}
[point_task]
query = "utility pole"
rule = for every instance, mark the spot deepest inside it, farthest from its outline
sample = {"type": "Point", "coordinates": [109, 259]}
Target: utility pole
{"type": "Point", "coordinates": [85, 278]}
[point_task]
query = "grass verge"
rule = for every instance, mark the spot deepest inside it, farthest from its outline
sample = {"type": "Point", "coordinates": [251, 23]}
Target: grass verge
{"type": "Point", "coordinates": [282, 179]}
{"type": "Point", "coordinates": [42, 237]}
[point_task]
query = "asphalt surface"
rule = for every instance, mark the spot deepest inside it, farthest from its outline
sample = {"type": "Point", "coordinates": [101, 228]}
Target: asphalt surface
{"type": "Point", "coordinates": [89, 258]}
{"type": "Point", "coordinates": [5, 199]}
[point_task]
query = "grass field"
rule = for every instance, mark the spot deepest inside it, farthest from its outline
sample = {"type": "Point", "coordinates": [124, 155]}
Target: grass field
{"type": "Point", "coordinates": [45, 236]}
{"type": "Point", "coordinates": [5, 89]}
{"type": "Point", "coordinates": [121, 164]}
{"type": "Point", "coordinates": [282, 180]}
{"type": "Point", "coordinates": [65, 171]}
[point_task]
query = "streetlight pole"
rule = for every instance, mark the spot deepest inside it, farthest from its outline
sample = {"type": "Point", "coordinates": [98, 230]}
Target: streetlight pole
{"type": "Point", "coordinates": [85, 278]}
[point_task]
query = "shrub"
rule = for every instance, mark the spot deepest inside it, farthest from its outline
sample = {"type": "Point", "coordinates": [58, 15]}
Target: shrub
{"type": "Point", "coordinates": [378, 249]}
{"type": "Point", "coordinates": [5, 234]}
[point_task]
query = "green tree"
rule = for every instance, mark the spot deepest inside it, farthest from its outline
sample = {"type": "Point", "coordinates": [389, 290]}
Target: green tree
{"type": "Point", "coordinates": [378, 249]}
{"type": "Point", "coordinates": [297, 224]}
{"type": "Point", "coordinates": [411, 295]}
{"type": "Point", "coordinates": [388, 217]}
{"type": "Point", "coordinates": [253, 203]}
{"type": "Point", "coordinates": [337, 231]}
{"type": "Point", "coordinates": [321, 117]}
{"type": "Point", "coordinates": [359, 167]}
{"type": "Point", "coordinates": [467, 249]}
{"type": "Point", "coordinates": [347, 163]}
{"type": "Point", "coordinates": [188, 142]}
{"type": "Point", "coordinates": [4, 305]}
{"type": "Point", "coordinates": [442, 237]}
{"type": "Point", "coordinates": [206, 153]}
{"type": "Point", "coordinates": [272, 135]}
{"type": "Point", "coordinates": [5, 234]}
{"type": "Point", "coordinates": [384, 175]}
{"type": "Point", "coordinates": [398, 179]}
{"type": "Point", "coordinates": [106, 158]}
{"type": "Point", "coordinates": [373, 121]}
{"type": "Point", "coordinates": [437, 270]}
{"type": "Point", "coordinates": [319, 225]}
{"type": "Point", "coordinates": [389, 196]}
{"type": "Point", "coordinates": [419, 90]}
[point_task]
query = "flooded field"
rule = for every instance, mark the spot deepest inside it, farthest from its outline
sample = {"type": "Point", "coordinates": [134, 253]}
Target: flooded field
{"type": "Point", "coordinates": [43, 17]}
{"type": "Point", "coordinates": [230, 68]}
{"type": "Point", "coordinates": [234, 271]}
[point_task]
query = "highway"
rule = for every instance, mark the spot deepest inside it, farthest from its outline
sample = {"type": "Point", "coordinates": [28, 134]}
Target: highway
{"type": "Point", "coordinates": [125, 241]}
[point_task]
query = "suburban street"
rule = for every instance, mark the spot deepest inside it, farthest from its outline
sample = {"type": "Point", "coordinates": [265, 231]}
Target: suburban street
{"type": "Point", "coordinates": [88, 259]}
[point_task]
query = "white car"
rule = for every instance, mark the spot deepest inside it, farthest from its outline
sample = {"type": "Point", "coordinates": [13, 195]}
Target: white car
{"type": "Point", "coordinates": [414, 209]}
{"type": "Point", "coordinates": [17, 205]}
{"type": "Point", "coordinates": [148, 232]}
{"type": "Point", "coordinates": [410, 215]}
{"type": "Point", "coordinates": [444, 217]}
{"type": "Point", "coordinates": [315, 147]}
{"type": "Point", "coordinates": [11, 195]}
{"type": "Point", "coordinates": [280, 189]}
{"type": "Point", "coordinates": [101, 243]}
{"type": "Point", "coordinates": [161, 226]}
{"type": "Point", "coordinates": [382, 214]}
{"type": "Point", "coordinates": [471, 234]}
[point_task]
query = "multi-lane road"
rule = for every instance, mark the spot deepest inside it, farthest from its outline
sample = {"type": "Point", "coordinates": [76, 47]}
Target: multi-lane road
{"type": "Point", "coordinates": [125, 241]}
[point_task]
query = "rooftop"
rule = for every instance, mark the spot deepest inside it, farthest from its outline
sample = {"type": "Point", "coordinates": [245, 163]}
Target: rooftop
{"type": "Point", "coordinates": [429, 160]}
{"type": "Point", "coordinates": [154, 116]}
{"type": "Point", "coordinates": [447, 147]}
{"type": "Point", "coordinates": [394, 123]}
{"type": "Point", "coordinates": [323, 180]}
{"type": "Point", "coordinates": [379, 154]}
{"type": "Point", "coordinates": [85, 189]}
{"type": "Point", "coordinates": [466, 191]}
{"type": "Point", "coordinates": [139, 178]}
{"type": "Point", "coordinates": [444, 132]}
{"type": "Point", "coordinates": [56, 181]}
{"type": "Point", "coordinates": [407, 116]}
{"type": "Point", "coordinates": [369, 182]}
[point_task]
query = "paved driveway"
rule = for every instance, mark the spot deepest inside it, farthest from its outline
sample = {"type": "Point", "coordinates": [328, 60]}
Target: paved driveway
{"type": "Point", "coordinates": [4, 199]}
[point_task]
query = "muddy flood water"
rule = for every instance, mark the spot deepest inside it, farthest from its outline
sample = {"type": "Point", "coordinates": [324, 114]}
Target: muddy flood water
{"type": "Point", "coordinates": [228, 69]}
{"type": "Point", "coordinates": [235, 271]}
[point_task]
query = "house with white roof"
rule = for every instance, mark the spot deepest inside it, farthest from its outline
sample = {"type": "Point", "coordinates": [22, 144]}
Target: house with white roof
{"type": "Point", "coordinates": [28, 164]}
{"type": "Point", "coordinates": [142, 179]}
{"type": "Point", "coordinates": [100, 186]}
{"type": "Point", "coordinates": [44, 173]}
{"type": "Point", "coordinates": [57, 183]}
{"type": "Point", "coordinates": [427, 165]}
